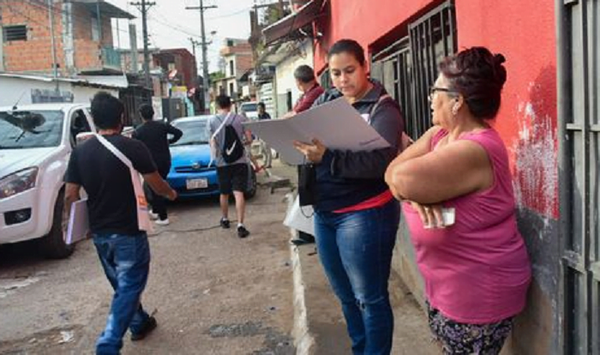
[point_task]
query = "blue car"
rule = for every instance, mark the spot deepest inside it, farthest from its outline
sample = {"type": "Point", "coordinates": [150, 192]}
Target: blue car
{"type": "Point", "coordinates": [190, 174]}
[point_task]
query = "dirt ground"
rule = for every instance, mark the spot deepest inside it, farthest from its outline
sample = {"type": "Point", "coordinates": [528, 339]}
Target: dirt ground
{"type": "Point", "coordinates": [212, 293]}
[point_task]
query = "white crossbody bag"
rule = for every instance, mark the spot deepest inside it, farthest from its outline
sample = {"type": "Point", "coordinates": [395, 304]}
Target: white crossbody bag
{"type": "Point", "coordinates": [143, 218]}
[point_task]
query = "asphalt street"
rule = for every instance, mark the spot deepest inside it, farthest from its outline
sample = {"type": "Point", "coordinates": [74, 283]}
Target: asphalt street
{"type": "Point", "coordinates": [211, 292]}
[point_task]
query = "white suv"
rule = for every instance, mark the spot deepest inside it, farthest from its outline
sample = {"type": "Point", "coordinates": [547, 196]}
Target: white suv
{"type": "Point", "coordinates": [250, 110]}
{"type": "Point", "coordinates": [35, 144]}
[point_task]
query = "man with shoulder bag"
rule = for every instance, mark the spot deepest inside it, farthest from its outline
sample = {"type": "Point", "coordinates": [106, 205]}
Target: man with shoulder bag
{"type": "Point", "coordinates": [227, 146]}
{"type": "Point", "coordinates": [108, 167]}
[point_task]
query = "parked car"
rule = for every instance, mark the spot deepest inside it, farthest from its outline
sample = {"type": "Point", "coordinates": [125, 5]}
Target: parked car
{"type": "Point", "coordinates": [192, 174]}
{"type": "Point", "coordinates": [250, 110]}
{"type": "Point", "coordinates": [35, 145]}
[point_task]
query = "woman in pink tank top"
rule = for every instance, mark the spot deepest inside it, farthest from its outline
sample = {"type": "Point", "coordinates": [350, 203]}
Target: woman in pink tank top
{"type": "Point", "coordinates": [460, 209]}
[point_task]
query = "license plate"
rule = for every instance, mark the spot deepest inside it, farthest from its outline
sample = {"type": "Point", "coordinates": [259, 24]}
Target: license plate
{"type": "Point", "coordinates": [192, 184]}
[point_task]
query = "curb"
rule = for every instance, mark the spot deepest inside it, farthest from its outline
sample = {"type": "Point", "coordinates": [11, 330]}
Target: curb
{"type": "Point", "coordinates": [303, 339]}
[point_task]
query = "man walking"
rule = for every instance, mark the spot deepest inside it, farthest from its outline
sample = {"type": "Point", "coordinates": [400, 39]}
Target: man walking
{"type": "Point", "coordinates": [155, 134]}
{"type": "Point", "coordinates": [99, 166]}
{"type": "Point", "coordinates": [233, 175]}
{"type": "Point", "coordinates": [311, 90]}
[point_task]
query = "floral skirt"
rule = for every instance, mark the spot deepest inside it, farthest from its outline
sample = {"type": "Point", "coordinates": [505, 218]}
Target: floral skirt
{"type": "Point", "coordinates": [461, 338]}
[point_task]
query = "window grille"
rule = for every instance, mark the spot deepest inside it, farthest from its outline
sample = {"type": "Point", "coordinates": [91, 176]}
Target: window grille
{"type": "Point", "coordinates": [579, 154]}
{"type": "Point", "coordinates": [408, 67]}
{"type": "Point", "coordinates": [15, 33]}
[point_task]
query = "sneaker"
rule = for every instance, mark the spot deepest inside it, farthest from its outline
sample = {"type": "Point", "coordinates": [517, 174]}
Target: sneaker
{"type": "Point", "coordinates": [147, 328]}
{"type": "Point", "coordinates": [224, 223]}
{"type": "Point", "coordinates": [153, 215]}
{"type": "Point", "coordinates": [162, 222]}
{"type": "Point", "coordinates": [242, 232]}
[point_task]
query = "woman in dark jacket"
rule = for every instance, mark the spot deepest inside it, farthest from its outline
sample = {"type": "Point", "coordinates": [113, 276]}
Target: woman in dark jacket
{"type": "Point", "coordinates": [356, 216]}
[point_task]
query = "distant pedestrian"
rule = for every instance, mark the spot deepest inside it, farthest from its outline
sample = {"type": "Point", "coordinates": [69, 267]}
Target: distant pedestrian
{"type": "Point", "coordinates": [155, 135]}
{"type": "Point", "coordinates": [356, 217]}
{"type": "Point", "coordinates": [307, 84]}
{"type": "Point", "coordinates": [233, 175]}
{"type": "Point", "coordinates": [262, 113]}
{"type": "Point", "coordinates": [265, 150]}
{"type": "Point", "coordinates": [107, 167]}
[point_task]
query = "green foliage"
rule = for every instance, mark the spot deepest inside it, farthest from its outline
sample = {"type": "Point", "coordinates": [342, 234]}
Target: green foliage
{"type": "Point", "coordinates": [216, 76]}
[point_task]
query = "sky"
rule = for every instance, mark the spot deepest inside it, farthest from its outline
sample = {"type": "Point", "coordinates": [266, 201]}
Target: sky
{"type": "Point", "coordinates": [170, 25]}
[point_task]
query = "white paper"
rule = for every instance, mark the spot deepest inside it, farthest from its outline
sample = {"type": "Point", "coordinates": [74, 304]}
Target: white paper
{"type": "Point", "coordinates": [79, 225]}
{"type": "Point", "coordinates": [448, 215]}
{"type": "Point", "coordinates": [336, 124]}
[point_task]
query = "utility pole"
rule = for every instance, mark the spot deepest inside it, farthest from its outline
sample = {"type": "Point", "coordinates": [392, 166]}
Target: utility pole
{"type": "Point", "coordinates": [134, 49]}
{"type": "Point", "coordinates": [204, 51]}
{"type": "Point", "coordinates": [194, 44]}
{"type": "Point", "coordinates": [144, 6]}
{"type": "Point", "coordinates": [53, 44]}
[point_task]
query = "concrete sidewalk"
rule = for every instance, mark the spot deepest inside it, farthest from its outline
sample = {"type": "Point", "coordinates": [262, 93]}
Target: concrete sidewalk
{"type": "Point", "coordinates": [324, 331]}
{"type": "Point", "coordinates": [319, 326]}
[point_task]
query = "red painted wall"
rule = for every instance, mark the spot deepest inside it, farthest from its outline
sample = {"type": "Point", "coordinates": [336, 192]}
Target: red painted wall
{"type": "Point", "coordinates": [364, 21]}
{"type": "Point", "coordinates": [524, 31]}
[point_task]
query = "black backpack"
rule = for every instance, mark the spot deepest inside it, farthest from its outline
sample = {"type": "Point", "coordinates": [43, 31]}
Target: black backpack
{"type": "Point", "coordinates": [232, 149]}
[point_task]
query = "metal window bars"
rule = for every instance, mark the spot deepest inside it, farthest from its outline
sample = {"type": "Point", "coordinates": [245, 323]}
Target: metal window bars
{"type": "Point", "coordinates": [408, 67]}
{"type": "Point", "coordinates": [578, 24]}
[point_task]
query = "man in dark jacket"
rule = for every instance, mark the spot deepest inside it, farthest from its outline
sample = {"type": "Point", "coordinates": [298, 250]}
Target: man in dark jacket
{"type": "Point", "coordinates": [154, 134]}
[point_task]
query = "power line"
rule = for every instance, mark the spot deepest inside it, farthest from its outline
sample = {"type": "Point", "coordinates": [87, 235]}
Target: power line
{"type": "Point", "coordinates": [205, 76]}
{"type": "Point", "coordinates": [231, 14]}
{"type": "Point", "coordinates": [176, 28]}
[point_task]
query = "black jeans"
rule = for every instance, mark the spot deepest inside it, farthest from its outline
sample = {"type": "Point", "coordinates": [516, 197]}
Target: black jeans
{"type": "Point", "coordinates": [158, 203]}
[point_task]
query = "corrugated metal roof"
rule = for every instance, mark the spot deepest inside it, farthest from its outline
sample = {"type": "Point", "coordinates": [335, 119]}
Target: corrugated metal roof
{"type": "Point", "coordinates": [109, 81]}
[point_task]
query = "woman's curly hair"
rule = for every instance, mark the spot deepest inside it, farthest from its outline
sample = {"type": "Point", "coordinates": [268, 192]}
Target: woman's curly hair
{"type": "Point", "coordinates": [478, 75]}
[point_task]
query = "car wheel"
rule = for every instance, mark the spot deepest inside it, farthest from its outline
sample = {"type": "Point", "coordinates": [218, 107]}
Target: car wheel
{"type": "Point", "coordinates": [251, 191]}
{"type": "Point", "coordinates": [53, 244]}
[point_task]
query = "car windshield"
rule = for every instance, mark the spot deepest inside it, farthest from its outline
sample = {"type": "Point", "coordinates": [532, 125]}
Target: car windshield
{"type": "Point", "coordinates": [248, 107]}
{"type": "Point", "coordinates": [30, 129]}
{"type": "Point", "coordinates": [194, 132]}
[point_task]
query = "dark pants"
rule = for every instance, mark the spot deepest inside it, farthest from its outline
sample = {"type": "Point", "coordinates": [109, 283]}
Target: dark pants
{"type": "Point", "coordinates": [158, 202]}
{"type": "Point", "coordinates": [126, 263]}
{"type": "Point", "coordinates": [303, 235]}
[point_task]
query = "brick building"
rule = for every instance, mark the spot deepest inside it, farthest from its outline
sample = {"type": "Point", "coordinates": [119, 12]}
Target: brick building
{"type": "Point", "coordinates": [179, 64]}
{"type": "Point", "coordinates": [81, 37]}
{"type": "Point", "coordinates": [237, 56]}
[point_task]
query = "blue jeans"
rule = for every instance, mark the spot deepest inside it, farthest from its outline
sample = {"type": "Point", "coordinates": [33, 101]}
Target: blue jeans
{"type": "Point", "coordinates": [126, 262]}
{"type": "Point", "coordinates": [355, 249]}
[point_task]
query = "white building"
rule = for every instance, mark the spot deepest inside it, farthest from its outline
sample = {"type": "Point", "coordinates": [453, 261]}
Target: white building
{"type": "Point", "coordinates": [28, 89]}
